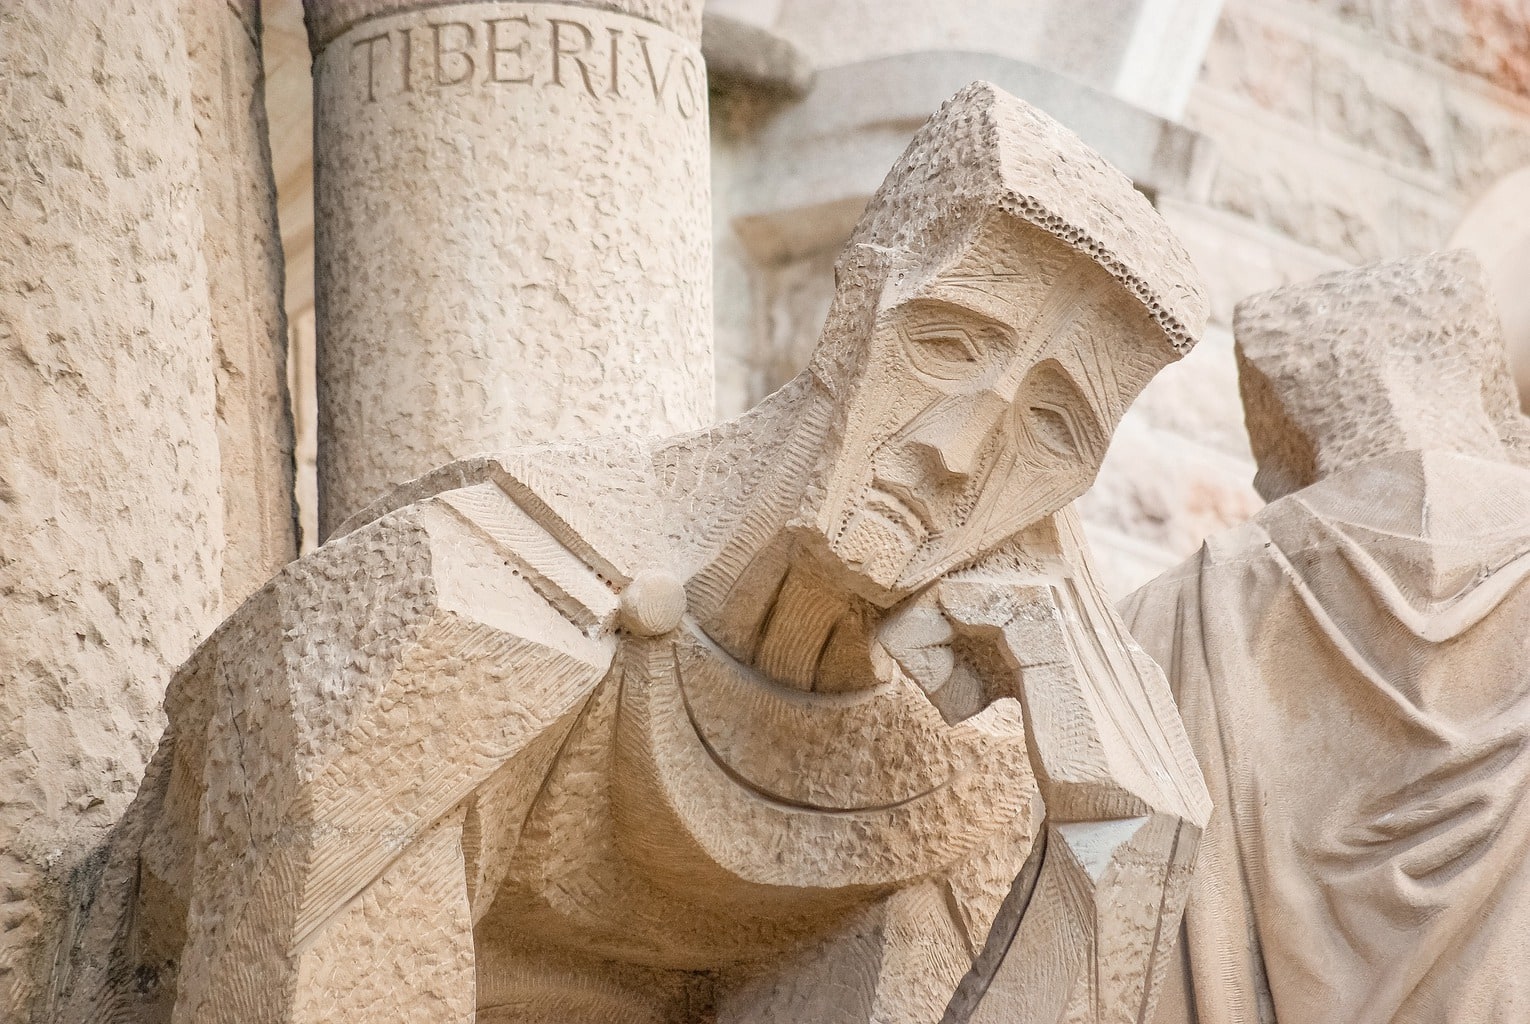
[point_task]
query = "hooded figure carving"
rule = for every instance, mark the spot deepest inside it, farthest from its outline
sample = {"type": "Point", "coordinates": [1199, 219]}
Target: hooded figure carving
{"type": "Point", "coordinates": [637, 730]}
{"type": "Point", "coordinates": [1351, 665]}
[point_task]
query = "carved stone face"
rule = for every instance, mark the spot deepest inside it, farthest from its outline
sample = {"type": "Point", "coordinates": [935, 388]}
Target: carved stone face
{"type": "Point", "coordinates": [988, 394]}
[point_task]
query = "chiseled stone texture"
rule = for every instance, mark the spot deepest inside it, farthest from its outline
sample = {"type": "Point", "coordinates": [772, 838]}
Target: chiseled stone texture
{"type": "Point", "coordinates": [328, 19]}
{"type": "Point", "coordinates": [244, 283]}
{"type": "Point", "coordinates": [109, 482]}
{"type": "Point", "coordinates": [1380, 330]}
{"type": "Point", "coordinates": [1347, 130]}
{"type": "Point", "coordinates": [512, 227]}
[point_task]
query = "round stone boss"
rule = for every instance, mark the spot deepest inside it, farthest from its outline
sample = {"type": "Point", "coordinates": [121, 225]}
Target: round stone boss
{"type": "Point", "coordinates": [652, 604]}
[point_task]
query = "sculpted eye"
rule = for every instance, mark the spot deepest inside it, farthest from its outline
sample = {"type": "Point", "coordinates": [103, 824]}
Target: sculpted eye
{"type": "Point", "coordinates": [944, 350]}
{"type": "Point", "coordinates": [1054, 428]}
{"type": "Point", "coordinates": [1057, 418]}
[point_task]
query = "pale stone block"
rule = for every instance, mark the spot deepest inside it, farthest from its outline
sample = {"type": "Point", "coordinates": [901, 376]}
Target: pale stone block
{"type": "Point", "coordinates": [830, 148]}
{"type": "Point", "coordinates": [1485, 38]}
{"type": "Point", "coordinates": [1319, 193]}
{"type": "Point", "coordinates": [1167, 491]}
{"type": "Point", "coordinates": [1248, 257]}
{"type": "Point", "coordinates": [1375, 100]}
{"type": "Point", "coordinates": [791, 187]}
{"type": "Point", "coordinates": [513, 227]}
{"type": "Point", "coordinates": [1428, 316]}
{"type": "Point", "coordinates": [1197, 397]}
{"type": "Point", "coordinates": [741, 49]}
{"type": "Point", "coordinates": [1269, 60]}
{"type": "Point", "coordinates": [1364, 15]}
{"type": "Point", "coordinates": [1145, 52]}
{"type": "Point", "coordinates": [1488, 137]}
{"type": "Point", "coordinates": [242, 247]}
{"type": "Point", "coordinates": [1350, 665]}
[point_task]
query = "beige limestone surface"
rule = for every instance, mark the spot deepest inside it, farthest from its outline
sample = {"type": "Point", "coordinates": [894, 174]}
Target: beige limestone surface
{"type": "Point", "coordinates": [1364, 130]}
{"type": "Point", "coordinates": [818, 715]}
{"type": "Point", "coordinates": [1497, 230]}
{"type": "Point", "coordinates": [1352, 667]}
{"type": "Point", "coordinates": [511, 232]}
{"type": "Point", "coordinates": [792, 175]}
{"type": "Point", "coordinates": [1345, 128]}
{"type": "Point", "coordinates": [110, 503]}
{"type": "Point", "coordinates": [242, 249]}
{"type": "Point", "coordinates": [1143, 51]}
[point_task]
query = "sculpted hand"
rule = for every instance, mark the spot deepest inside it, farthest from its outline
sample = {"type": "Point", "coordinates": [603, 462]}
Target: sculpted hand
{"type": "Point", "coordinates": [918, 637]}
{"type": "Point", "coordinates": [951, 639]}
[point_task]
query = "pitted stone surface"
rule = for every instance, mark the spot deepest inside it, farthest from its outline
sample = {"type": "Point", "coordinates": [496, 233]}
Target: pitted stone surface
{"type": "Point", "coordinates": [110, 506]}
{"type": "Point", "coordinates": [1064, 188]}
{"type": "Point", "coordinates": [1400, 335]}
{"type": "Point", "coordinates": [512, 226]}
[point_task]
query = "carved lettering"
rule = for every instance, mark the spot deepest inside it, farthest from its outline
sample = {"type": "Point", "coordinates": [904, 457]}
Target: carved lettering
{"type": "Point", "coordinates": [530, 49]}
{"type": "Point", "coordinates": [518, 51]}
{"type": "Point", "coordinates": [659, 83]}
{"type": "Point", "coordinates": [691, 78]}
{"type": "Point", "coordinates": [371, 44]}
{"type": "Point", "coordinates": [463, 59]}
{"type": "Point", "coordinates": [615, 89]}
{"type": "Point", "coordinates": [577, 56]}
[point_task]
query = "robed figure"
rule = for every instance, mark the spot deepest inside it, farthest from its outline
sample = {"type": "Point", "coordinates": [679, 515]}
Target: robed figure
{"type": "Point", "coordinates": [1353, 666]}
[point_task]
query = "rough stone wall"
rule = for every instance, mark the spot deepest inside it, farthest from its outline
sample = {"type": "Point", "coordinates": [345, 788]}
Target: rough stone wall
{"type": "Point", "coordinates": [1363, 128]}
{"type": "Point", "coordinates": [111, 521]}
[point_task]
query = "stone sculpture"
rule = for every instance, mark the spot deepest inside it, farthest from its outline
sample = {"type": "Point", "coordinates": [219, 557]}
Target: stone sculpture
{"type": "Point", "coordinates": [638, 730]}
{"type": "Point", "coordinates": [1352, 667]}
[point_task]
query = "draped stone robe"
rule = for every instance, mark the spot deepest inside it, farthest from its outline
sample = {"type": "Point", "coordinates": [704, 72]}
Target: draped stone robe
{"type": "Point", "coordinates": [1353, 667]}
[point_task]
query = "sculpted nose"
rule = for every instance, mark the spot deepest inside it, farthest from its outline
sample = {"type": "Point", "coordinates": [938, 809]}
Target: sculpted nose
{"type": "Point", "coordinates": [954, 436]}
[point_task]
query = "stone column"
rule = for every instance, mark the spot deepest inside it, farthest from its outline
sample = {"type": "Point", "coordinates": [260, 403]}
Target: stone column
{"type": "Point", "coordinates": [512, 230]}
{"type": "Point", "coordinates": [242, 247]}
{"type": "Point", "coordinates": [111, 522]}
